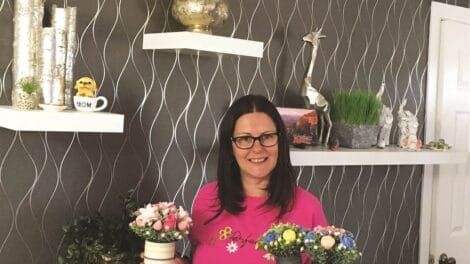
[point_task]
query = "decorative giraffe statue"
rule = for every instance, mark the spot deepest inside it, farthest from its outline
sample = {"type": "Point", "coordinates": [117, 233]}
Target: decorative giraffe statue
{"type": "Point", "coordinates": [312, 98]}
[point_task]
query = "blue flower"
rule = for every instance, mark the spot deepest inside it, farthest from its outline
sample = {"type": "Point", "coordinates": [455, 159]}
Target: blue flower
{"type": "Point", "coordinates": [271, 236]}
{"type": "Point", "coordinates": [347, 241]}
{"type": "Point", "coordinates": [310, 235]}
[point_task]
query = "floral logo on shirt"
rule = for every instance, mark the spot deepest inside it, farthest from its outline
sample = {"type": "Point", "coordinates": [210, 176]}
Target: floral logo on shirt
{"type": "Point", "coordinates": [235, 239]}
{"type": "Point", "coordinates": [232, 247]}
{"type": "Point", "coordinates": [225, 233]}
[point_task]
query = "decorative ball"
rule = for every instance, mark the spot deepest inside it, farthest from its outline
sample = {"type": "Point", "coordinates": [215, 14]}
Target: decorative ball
{"type": "Point", "coordinates": [327, 242]}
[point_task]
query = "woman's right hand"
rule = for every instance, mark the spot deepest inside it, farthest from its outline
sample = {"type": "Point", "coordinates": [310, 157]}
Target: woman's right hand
{"type": "Point", "coordinates": [179, 260]}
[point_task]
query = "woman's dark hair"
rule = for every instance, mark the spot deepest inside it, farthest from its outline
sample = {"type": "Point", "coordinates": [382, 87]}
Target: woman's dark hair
{"type": "Point", "coordinates": [281, 188]}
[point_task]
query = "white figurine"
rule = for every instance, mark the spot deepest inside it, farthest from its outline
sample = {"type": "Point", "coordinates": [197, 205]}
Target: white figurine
{"type": "Point", "coordinates": [385, 123]}
{"type": "Point", "coordinates": [313, 98]}
{"type": "Point", "coordinates": [408, 125]}
{"type": "Point", "coordinates": [402, 120]}
{"type": "Point", "coordinates": [412, 141]}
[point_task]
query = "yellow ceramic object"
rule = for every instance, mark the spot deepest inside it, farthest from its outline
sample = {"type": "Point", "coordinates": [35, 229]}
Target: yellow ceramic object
{"type": "Point", "coordinates": [86, 87]}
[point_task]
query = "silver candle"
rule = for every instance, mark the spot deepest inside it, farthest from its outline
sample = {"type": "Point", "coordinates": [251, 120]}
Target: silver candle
{"type": "Point", "coordinates": [59, 23]}
{"type": "Point", "coordinates": [27, 23]}
{"type": "Point", "coordinates": [70, 54]}
{"type": "Point", "coordinates": [47, 63]}
{"type": "Point", "coordinates": [38, 14]}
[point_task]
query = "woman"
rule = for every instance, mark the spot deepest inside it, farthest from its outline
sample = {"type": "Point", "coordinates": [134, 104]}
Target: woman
{"type": "Point", "coordinates": [255, 187]}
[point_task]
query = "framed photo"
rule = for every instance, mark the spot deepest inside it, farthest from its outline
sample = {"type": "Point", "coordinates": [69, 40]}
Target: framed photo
{"type": "Point", "coordinates": [301, 125]}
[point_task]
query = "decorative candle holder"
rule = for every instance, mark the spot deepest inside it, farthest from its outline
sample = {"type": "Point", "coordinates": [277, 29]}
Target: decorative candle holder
{"type": "Point", "coordinates": [200, 15]}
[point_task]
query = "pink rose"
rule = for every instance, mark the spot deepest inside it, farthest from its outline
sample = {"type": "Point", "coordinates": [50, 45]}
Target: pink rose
{"type": "Point", "coordinates": [158, 225]}
{"type": "Point", "coordinates": [170, 222]}
{"type": "Point", "coordinates": [140, 221]}
{"type": "Point", "coordinates": [183, 225]}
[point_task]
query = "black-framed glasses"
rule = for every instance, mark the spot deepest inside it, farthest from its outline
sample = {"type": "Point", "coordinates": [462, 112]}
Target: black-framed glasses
{"type": "Point", "coordinates": [247, 142]}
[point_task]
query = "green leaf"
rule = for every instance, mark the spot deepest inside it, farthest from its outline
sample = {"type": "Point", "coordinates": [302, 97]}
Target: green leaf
{"type": "Point", "coordinates": [88, 238]}
{"type": "Point", "coordinates": [356, 107]}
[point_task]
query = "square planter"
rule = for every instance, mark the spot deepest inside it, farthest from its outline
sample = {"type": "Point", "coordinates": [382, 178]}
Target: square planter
{"type": "Point", "coordinates": [356, 136]}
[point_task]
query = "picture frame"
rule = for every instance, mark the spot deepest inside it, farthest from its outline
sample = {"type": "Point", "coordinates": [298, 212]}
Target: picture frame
{"type": "Point", "coordinates": [301, 125]}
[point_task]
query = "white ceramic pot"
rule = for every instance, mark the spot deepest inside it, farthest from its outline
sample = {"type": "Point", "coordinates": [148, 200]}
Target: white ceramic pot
{"type": "Point", "coordinates": [159, 253]}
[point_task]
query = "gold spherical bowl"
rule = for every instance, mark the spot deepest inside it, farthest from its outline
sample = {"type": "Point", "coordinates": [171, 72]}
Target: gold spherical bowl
{"type": "Point", "coordinates": [200, 15]}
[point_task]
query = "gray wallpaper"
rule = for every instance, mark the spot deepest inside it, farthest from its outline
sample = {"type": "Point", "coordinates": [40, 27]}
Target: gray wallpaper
{"type": "Point", "coordinates": [173, 104]}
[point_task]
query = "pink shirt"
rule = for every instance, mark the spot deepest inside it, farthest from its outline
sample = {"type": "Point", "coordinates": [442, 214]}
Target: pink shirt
{"type": "Point", "coordinates": [231, 238]}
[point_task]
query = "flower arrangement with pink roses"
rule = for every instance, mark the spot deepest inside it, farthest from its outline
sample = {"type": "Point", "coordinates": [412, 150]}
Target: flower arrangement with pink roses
{"type": "Point", "coordinates": [161, 222]}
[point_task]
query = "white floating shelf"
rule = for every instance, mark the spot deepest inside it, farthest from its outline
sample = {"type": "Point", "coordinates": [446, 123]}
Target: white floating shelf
{"type": "Point", "coordinates": [65, 121]}
{"type": "Point", "coordinates": [190, 42]}
{"type": "Point", "coordinates": [322, 156]}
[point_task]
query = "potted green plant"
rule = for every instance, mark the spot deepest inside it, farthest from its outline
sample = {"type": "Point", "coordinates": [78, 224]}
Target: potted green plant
{"type": "Point", "coordinates": [26, 96]}
{"type": "Point", "coordinates": [356, 117]}
{"type": "Point", "coordinates": [95, 239]}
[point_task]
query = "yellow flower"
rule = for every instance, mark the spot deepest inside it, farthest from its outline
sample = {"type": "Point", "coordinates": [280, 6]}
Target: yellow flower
{"type": "Point", "coordinates": [289, 235]}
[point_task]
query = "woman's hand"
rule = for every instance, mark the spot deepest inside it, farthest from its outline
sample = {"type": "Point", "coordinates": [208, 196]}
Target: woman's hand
{"type": "Point", "coordinates": [176, 260]}
{"type": "Point", "coordinates": [179, 260]}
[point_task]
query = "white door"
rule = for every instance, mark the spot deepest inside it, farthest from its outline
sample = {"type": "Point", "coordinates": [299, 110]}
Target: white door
{"type": "Point", "coordinates": [450, 222]}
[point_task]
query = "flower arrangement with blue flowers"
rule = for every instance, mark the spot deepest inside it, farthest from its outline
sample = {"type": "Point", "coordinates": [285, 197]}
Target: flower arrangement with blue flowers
{"type": "Point", "coordinates": [282, 240]}
{"type": "Point", "coordinates": [331, 245]}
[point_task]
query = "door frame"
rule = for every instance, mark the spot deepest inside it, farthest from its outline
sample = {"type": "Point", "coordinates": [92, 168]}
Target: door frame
{"type": "Point", "coordinates": [439, 12]}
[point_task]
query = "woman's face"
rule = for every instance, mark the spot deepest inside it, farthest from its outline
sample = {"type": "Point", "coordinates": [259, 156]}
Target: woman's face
{"type": "Point", "coordinates": [258, 161]}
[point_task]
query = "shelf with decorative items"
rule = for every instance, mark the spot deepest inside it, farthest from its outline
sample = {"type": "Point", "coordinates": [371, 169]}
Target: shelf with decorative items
{"type": "Point", "coordinates": [192, 42]}
{"type": "Point", "coordinates": [323, 156]}
{"type": "Point", "coordinates": [199, 17]}
{"type": "Point", "coordinates": [42, 75]}
{"type": "Point", "coordinates": [64, 121]}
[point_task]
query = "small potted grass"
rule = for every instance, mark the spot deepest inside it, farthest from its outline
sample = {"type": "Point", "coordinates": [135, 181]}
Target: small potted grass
{"type": "Point", "coordinates": [26, 96]}
{"type": "Point", "coordinates": [356, 117]}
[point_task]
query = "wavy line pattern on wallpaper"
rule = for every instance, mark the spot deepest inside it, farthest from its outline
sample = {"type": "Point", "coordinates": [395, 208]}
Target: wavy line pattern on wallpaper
{"type": "Point", "coordinates": [173, 104]}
